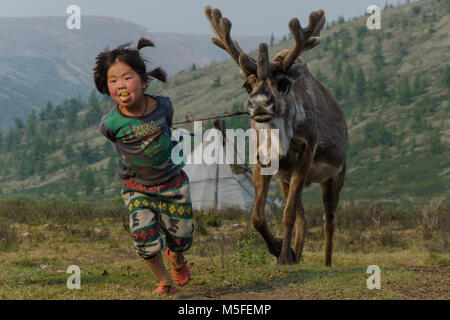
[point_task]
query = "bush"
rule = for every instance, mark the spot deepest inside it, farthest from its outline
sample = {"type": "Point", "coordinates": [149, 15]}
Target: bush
{"type": "Point", "coordinates": [212, 220]}
{"type": "Point", "coordinates": [8, 235]}
{"type": "Point", "coordinates": [376, 133]}
{"type": "Point", "coordinates": [248, 254]}
{"type": "Point", "coordinates": [216, 83]}
{"type": "Point", "coordinates": [446, 77]}
{"type": "Point", "coordinates": [430, 217]}
{"type": "Point", "coordinates": [404, 92]}
{"type": "Point", "coordinates": [416, 10]}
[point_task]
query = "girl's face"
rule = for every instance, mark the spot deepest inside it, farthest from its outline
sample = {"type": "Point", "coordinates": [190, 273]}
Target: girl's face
{"type": "Point", "coordinates": [124, 84]}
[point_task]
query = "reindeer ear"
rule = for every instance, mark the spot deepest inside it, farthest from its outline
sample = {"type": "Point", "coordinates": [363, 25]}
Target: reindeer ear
{"type": "Point", "coordinates": [295, 71]}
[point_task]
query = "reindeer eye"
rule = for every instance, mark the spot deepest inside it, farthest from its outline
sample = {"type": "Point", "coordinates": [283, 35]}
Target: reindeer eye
{"type": "Point", "coordinates": [283, 85]}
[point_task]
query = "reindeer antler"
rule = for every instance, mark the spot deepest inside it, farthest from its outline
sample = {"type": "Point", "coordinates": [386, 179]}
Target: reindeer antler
{"type": "Point", "coordinates": [221, 27]}
{"type": "Point", "coordinates": [305, 39]}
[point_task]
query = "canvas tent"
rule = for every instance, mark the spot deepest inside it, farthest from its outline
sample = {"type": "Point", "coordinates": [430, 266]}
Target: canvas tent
{"type": "Point", "coordinates": [220, 185]}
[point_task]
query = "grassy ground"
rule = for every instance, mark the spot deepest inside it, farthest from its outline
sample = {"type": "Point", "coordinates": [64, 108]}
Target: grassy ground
{"type": "Point", "coordinates": [40, 240]}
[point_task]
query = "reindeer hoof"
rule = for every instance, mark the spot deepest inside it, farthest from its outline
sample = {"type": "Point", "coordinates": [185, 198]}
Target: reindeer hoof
{"type": "Point", "coordinates": [275, 247]}
{"type": "Point", "coordinates": [286, 259]}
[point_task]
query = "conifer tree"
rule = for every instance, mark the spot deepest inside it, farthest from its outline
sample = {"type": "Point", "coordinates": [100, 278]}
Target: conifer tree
{"type": "Point", "coordinates": [360, 84]}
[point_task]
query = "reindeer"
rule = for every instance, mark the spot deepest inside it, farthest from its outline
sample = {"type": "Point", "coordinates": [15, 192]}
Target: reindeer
{"type": "Point", "coordinates": [313, 139]}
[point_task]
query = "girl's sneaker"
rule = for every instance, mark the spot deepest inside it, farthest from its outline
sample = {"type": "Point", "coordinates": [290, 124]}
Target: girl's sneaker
{"type": "Point", "coordinates": [165, 288]}
{"type": "Point", "coordinates": [180, 272]}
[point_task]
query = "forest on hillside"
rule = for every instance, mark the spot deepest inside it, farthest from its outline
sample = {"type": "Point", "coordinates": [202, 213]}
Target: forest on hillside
{"type": "Point", "coordinates": [397, 124]}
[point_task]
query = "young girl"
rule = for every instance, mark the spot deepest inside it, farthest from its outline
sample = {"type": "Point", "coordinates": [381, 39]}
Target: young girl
{"type": "Point", "coordinates": [155, 190]}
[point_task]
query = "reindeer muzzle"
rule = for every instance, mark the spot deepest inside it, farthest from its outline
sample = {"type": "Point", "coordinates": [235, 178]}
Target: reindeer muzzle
{"type": "Point", "coordinates": [262, 117]}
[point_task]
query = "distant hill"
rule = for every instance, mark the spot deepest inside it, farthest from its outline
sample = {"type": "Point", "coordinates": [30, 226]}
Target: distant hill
{"type": "Point", "coordinates": [393, 85]}
{"type": "Point", "coordinates": [41, 60]}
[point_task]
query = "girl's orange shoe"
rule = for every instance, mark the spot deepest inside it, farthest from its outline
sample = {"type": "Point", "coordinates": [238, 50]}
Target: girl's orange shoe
{"type": "Point", "coordinates": [180, 272]}
{"type": "Point", "coordinates": [165, 288]}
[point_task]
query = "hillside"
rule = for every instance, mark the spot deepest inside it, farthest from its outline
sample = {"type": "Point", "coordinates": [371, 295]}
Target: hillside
{"type": "Point", "coordinates": [393, 85]}
{"type": "Point", "coordinates": [41, 60]}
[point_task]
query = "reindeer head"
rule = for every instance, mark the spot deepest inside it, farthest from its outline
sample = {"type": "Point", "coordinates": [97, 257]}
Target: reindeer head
{"type": "Point", "coordinates": [268, 83]}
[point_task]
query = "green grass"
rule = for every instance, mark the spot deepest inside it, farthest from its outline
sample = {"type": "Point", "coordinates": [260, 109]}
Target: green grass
{"type": "Point", "coordinates": [228, 259]}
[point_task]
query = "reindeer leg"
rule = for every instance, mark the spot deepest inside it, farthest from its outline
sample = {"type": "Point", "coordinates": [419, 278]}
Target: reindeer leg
{"type": "Point", "coordinates": [298, 179]}
{"type": "Point", "coordinates": [330, 198]}
{"type": "Point", "coordinates": [285, 189]}
{"type": "Point", "coordinates": [295, 191]}
{"type": "Point", "coordinates": [300, 231]}
{"type": "Point", "coordinates": [258, 216]}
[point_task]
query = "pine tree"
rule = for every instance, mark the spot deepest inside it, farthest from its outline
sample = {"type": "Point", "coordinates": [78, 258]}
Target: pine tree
{"type": "Point", "coordinates": [377, 57]}
{"type": "Point", "coordinates": [71, 116]}
{"type": "Point", "coordinates": [378, 86]}
{"type": "Point", "coordinates": [216, 83]}
{"type": "Point", "coordinates": [327, 43]}
{"type": "Point", "coordinates": [360, 84]}
{"type": "Point", "coordinates": [59, 113]}
{"type": "Point", "coordinates": [435, 142]}
{"type": "Point", "coordinates": [93, 115]}
{"type": "Point", "coordinates": [68, 152]}
{"type": "Point", "coordinates": [85, 153]}
{"type": "Point", "coordinates": [46, 113]}
{"type": "Point", "coordinates": [349, 74]}
{"type": "Point", "coordinates": [404, 92]}
{"type": "Point", "coordinates": [18, 123]}
{"type": "Point", "coordinates": [93, 98]}
{"type": "Point", "coordinates": [446, 76]}
{"type": "Point", "coordinates": [31, 124]}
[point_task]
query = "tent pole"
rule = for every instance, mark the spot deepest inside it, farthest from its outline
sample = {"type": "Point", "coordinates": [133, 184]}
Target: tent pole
{"type": "Point", "coordinates": [219, 125]}
{"type": "Point", "coordinates": [216, 192]}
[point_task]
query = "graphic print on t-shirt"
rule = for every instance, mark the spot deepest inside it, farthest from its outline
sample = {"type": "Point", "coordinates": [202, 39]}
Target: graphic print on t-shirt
{"type": "Point", "coordinates": [144, 143]}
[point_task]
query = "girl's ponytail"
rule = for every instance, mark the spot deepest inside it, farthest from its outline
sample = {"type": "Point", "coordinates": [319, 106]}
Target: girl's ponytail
{"type": "Point", "coordinates": [144, 43]}
{"type": "Point", "coordinates": [158, 73]}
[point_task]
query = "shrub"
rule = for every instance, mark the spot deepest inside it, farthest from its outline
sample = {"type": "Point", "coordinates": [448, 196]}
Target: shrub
{"type": "Point", "coordinates": [430, 219]}
{"type": "Point", "coordinates": [446, 77]}
{"type": "Point", "coordinates": [416, 10]}
{"type": "Point", "coordinates": [404, 92]}
{"type": "Point", "coordinates": [8, 235]}
{"type": "Point", "coordinates": [248, 254]}
{"type": "Point", "coordinates": [376, 133]}
{"type": "Point", "coordinates": [212, 220]}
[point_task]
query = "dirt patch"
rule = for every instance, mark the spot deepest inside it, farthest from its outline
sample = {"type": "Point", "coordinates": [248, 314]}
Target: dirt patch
{"type": "Point", "coordinates": [434, 284]}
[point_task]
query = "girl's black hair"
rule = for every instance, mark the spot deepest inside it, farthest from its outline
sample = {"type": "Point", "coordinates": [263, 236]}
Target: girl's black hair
{"type": "Point", "coordinates": [131, 57]}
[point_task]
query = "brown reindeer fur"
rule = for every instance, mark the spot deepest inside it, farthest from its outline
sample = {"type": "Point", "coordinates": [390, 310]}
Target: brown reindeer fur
{"type": "Point", "coordinates": [284, 95]}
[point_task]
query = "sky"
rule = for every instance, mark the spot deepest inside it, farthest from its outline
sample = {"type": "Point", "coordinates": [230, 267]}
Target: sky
{"type": "Point", "coordinates": [249, 17]}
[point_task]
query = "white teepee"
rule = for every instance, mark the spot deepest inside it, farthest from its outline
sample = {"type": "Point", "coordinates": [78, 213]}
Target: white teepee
{"type": "Point", "coordinates": [220, 185]}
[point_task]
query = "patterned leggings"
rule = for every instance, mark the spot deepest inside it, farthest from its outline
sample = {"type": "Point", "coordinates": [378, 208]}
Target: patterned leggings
{"type": "Point", "coordinates": [160, 215]}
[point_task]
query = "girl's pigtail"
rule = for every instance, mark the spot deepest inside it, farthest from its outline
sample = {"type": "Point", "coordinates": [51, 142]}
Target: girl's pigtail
{"type": "Point", "coordinates": [159, 74]}
{"type": "Point", "coordinates": [144, 43]}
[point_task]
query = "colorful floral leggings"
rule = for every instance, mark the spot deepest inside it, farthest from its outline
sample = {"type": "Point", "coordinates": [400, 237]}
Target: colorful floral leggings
{"type": "Point", "coordinates": [160, 215]}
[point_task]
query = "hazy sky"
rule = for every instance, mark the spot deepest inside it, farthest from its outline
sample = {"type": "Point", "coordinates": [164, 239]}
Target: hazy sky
{"type": "Point", "coordinates": [249, 17]}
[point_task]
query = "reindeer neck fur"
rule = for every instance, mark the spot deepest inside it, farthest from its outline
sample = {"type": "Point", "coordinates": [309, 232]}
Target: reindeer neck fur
{"type": "Point", "coordinates": [291, 114]}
